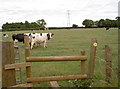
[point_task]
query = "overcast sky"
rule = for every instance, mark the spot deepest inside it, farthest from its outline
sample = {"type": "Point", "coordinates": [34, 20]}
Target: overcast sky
{"type": "Point", "coordinates": [55, 11]}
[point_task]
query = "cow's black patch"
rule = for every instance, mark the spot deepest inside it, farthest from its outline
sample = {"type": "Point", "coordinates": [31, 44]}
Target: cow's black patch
{"type": "Point", "coordinates": [34, 37]}
{"type": "Point", "coordinates": [107, 28]}
{"type": "Point", "coordinates": [41, 34]}
{"type": "Point", "coordinates": [33, 33]}
{"type": "Point", "coordinates": [4, 34]}
{"type": "Point", "coordinates": [48, 36]}
{"type": "Point", "coordinates": [19, 37]}
{"type": "Point", "coordinates": [30, 34]}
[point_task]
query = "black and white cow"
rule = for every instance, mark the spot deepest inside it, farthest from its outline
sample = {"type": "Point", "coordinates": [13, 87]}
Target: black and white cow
{"type": "Point", "coordinates": [5, 35]}
{"type": "Point", "coordinates": [35, 38]}
{"type": "Point", "coordinates": [39, 38]}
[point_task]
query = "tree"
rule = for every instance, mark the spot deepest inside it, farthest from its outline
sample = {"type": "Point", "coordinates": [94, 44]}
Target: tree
{"type": "Point", "coordinates": [101, 23]}
{"type": "Point", "coordinates": [4, 26]}
{"type": "Point", "coordinates": [108, 23]}
{"type": "Point", "coordinates": [96, 23]}
{"type": "Point", "coordinates": [41, 23]}
{"type": "Point", "coordinates": [88, 23]}
{"type": "Point", "coordinates": [27, 24]}
{"type": "Point", "coordinates": [113, 23]}
{"type": "Point", "coordinates": [117, 18]}
{"type": "Point", "coordinates": [74, 26]}
{"type": "Point", "coordinates": [118, 21]}
{"type": "Point", "coordinates": [34, 25]}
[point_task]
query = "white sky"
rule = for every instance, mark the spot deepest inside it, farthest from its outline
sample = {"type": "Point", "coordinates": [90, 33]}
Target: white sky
{"type": "Point", "coordinates": [55, 11]}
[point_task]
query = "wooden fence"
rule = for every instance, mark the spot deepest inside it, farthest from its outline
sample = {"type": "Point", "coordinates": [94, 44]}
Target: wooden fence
{"type": "Point", "coordinates": [28, 58]}
{"type": "Point", "coordinates": [8, 65]}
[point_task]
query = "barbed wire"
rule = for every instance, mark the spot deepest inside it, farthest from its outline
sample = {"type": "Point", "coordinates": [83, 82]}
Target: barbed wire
{"type": "Point", "coordinates": [101, 59]}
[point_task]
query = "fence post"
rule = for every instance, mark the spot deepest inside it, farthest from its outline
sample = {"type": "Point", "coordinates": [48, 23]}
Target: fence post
{"type": "Point", "coordinates": [92, 58]}
{"type": "Point", "coordinates": [83, 63]}
{"type": "Point", "coordinates": [0, 65]}
{"type": "Point", "coordinates": [27, 54]}
{"type": "Point", "coordinates": [108, 59]}
{"type": "Point", "coordinates": [8, 57]}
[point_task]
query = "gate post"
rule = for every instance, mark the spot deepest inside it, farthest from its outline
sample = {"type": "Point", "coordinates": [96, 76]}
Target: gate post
{"type": "Point", "coordinates": [8, 57]}
{"type": "Point", "coordinates": [83, 68]}
{"type": "Point", "coordinates": [27, 54]}
{"type": "Point", "coordinates": [0, 64]}
{"type": "Point", "coordinates": [92, 58]}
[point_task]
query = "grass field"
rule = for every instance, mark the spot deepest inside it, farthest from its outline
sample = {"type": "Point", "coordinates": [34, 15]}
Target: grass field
{"type": "Point", "coordinates": [70, 43]}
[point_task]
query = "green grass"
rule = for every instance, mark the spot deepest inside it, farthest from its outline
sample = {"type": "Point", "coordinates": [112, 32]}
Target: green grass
{"type": "Point", "coordinates": [70, 43]}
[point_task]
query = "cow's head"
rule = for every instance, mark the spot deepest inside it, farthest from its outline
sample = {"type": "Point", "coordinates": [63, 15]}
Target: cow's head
{"type": "Point", "coordinates": [49, 35]}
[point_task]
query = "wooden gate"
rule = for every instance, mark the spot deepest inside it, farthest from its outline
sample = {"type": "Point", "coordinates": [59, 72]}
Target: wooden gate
{"type": "Point", "coordinates": [9, 66]}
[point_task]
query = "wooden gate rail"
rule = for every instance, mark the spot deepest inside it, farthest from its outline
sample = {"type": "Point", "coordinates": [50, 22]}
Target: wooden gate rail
{"type": "Point", "coordinates": [56, 58]}
{"type": "Point", "coordinates": [56, 78]}
{"type": "Point", "coordinates": [17, 65]}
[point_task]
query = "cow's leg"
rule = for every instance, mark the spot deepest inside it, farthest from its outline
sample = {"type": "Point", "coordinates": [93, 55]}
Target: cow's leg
{"type": "Point", "coordinates": [45, 45]}
{"type": "Point", "coordinates": [23, 42]}
{"type": "Point", "coordinates": [15, 41]}
{"type": "Point", "coordinates": [31, 46]}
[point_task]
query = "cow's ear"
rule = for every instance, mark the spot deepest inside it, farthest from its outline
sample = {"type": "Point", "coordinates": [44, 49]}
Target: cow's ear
{"type": "Point", "coordinates": [52, 34]}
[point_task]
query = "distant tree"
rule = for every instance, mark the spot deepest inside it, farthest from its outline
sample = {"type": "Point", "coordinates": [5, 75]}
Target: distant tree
{"type": "Point", "coordinates": [41, 23]}
{"type": "Point", "coordinates": [4, 26]}
{"type": "Point", "coordinates": [34, 25]}
{"type": "Point", "coordinates": [117, 18]}
{"type": "Point", "coordinates": [118, 21]}
{"type": "Point", "coordinates": [27, 24]}
{"type": "Point", "coordinates": [101, 23]}
{"type": "Point", "coordinates": [88, 23]}
{"type": "Point", "coordinates": [113, 23]}
{"type": "Point", "coordinates": [96, 23]}
{"type": "Point", "coordinates": [74, 26]}
{"type": "Point", "coordinates": [108, 23]}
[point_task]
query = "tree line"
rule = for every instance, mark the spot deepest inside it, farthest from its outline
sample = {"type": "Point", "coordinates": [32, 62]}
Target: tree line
{"type": "Point", "coordinates": [41, 24]}
{"type": "Point", "coordinates": [101, 23]}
